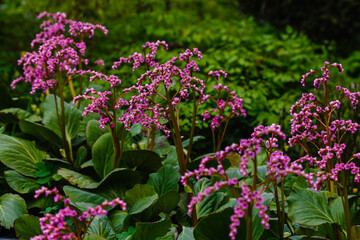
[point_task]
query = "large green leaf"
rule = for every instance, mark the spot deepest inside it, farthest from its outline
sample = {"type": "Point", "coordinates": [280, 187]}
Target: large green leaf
{"type": "Point", "coordinates": [20, 183]}
{"type": "Point", "coordinates": [102, 227]}
{"type": "Point", "coordinates": [210, 204]}
{"type": "Point", "coordinates": [140, 197]}
{"type": "Point", "coordinates": [103, 155]}
{"type": "Point", "coordinates": [27, 226]}
{"type": "Point", "coordinates": [112, 186]}
{"type": "Point", "coordinates": [20, 155]}
{"type": "Point", "coordinates": [144, 161]}
{"type": "Point", "coordinates": [93, 236]}
{"type": "Point", "coordinates": [81, 196]}
{"type": "Point", "coordinates": [40, 131]}
{"type": "Point", "coordinates": [143, 204]}
{"type": "Point", "coordinates": [73, 117]}
{"type": "Point", "coordinates": [186, 234]}
{"type": "Point", "coordinates": [215, 226]}
{"type": "Point", "coordinates": [93, 132]}
{"type": "Point", "coordinates": [77, 179]}
{"type": "Point", "coordinates": [164, 180]}
{"type": "Point", "coordinates": [11, 207]}
{"type": "Point", "coordinates": [119, 178]}
{"type": "Point", "coordinates": [311, 208]}
{"type": "Point", "coordinates": [151, 230]}
{"type": "Point", "coordinates": [117, 219]}
{"type": "Point", "coordinates": [166, 202]}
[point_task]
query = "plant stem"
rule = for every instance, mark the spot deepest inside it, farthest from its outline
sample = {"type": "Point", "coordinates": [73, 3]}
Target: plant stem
{"type": "Point", "coordinates": [345, 198]}
{"type": "Point", "coordinates": [177, 137]}
{"type": "Point", "coordinates": [248, 220]}
{"type": "Point", "coordinates": [61, 121]}
{"type": "Point", "coordinates": [192, 131]}
{"type": "Point", "coordinates": [281, 224]}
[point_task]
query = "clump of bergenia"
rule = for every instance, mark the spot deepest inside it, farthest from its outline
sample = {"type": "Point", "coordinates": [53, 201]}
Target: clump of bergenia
{"type": "Point", "coordinates": [60, 52]}
{"type": "Point", "coordinates": [319, 131]}
{"type": "Point", "coordinates": [58, 59]}
{"type": "Point", "coordinates": [249, 196]}
{"type": "Point", "coordinates": [55, 226]}
{"type": "Point", "coordinates": [172, 82]}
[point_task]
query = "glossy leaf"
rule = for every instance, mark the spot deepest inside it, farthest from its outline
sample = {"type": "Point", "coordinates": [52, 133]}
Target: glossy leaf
{"type": "Point", "coordinates": [151, 230]}
{"type": "Point", "coordinates": [93, 132]}
{"type": "Point", "coordinates": [12, 206]}
{"type": "Point", "coordinates": [311, 208]}
{"type": "Point", "coordinates": [27, 226]}
{"type": "Point", "coordinates": [186, 234]}
{"type": "Point", "coordinates": [93, 236]}
{"type": "Point", "coordinates": [103, 155]}
{"type": "Point", "coordinates": [142, 160]}
{"type": "Point", "coordinates": [41, 132]}
{"type": "Point", "coordinates": [20, 155]}
{"type": "Point", "coordinates": [102, 227]}
{"type": "Point", "coordinates": [73, 117]}
{"type": "Point", "coordinates": [164, 180]}
{"type": "Point", "coordinates": [77, 179]}
{"type": "Point", "coordinates": [20, 183]}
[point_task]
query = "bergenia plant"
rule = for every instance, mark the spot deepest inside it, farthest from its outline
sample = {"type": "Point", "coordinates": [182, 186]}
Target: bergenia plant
{"type": "Point", "coordinates": [172, 82]}
{"type": "Point", "coordinates": [57, 61]}
{"type": "Point", "coordinates": [316, 128]}
{"type": "Point", "coordinates": [250, 196]}
{"type": "Point", "coordinates": [56, 226]}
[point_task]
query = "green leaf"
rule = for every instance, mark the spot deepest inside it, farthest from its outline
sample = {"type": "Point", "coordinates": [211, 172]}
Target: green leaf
{"type": "Point", "coordinates": [210, 204]}
{"type": "Point", "coordinates": [126, 235]}
{"type": "Point", "coordinates": [11, 207]}
{"type": "Point", "coordinates": [40, 132]}
{"type": "Point", "coordinates": [166, 202]}
{"type": "Point", "coordinates": [77, 179]}
{"type": "Point", "coordinates": [151, 230]}
{"type": "Point", "coordinates": [13, 115]}
{"type": "Point", "coordinates": [77, 196]}
{"type": "Point", "coordinates": [73, 117]}
{"type": "Point", "coordinates": [164, 180]}
{"type": "Point", "coordinates": [20, 155]}
{"type": "Point", "coordinates": [92, 236]}
{"type": "Point", "coordinates": [102, 227]}
{"type": "Point", "coordinates": [93, 132]}
{"type": "Point", "coordinates": [135, 129]}
{"type": "Point", "coordinates": [43, 173]}
{"type": "Point", "coordinates": [310, 207]}
{"type": "Point", "coordinates": [215, 226]}
{"type": "Point", "coordinates": [140, 198]}
{"type": "Point", "coordinates": [144, 161]}
{"type": "Point", "coordinates": [20, 183]}
{"type": "Point", "coordinates": [119, 177]}
{"type": "Point", "coordinates": [103, 155]}
{"type": "Point", "coordinates": [186, 234]}
{"type": "Point", "coordinates": [117, 219]}
{"type": "Point", "coordinates": [27, 226]}
{"type": "Point", "coordinates": [142, 204]}
{"type": "Point", "coordinates": [81, 156]}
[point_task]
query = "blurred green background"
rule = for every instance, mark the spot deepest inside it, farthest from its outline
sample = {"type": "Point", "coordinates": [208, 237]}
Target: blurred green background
{"type": "Point", "coordinates": [265, 46]}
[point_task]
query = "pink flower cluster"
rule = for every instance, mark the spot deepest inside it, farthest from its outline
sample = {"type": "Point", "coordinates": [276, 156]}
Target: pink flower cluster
{"type": "Point", "coordinates": [278, 166]}
{"type": "Point", "coordinates": [321, 78]}
{"type": "Point", "coordinates": [220, 114]}
{"type": "Point", "coordinates": [55, 227]}
{"type": "Point", "coordinates": [313, 123]}
{"type": "Point", "coordinates": [58, 51]}
{"type": "Point", "coordinates": [137, 58]}
{"type": "Point", "coordinates": [243, 205]}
